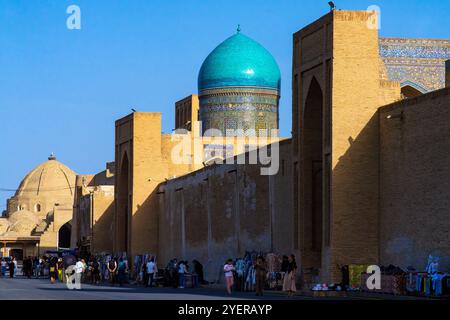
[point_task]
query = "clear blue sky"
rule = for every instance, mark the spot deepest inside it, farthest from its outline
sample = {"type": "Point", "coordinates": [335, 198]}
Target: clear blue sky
{"type": "Point", "coordinates": [61, 90]}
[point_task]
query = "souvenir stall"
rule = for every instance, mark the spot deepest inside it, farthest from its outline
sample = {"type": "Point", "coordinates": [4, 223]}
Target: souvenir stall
{"type": "Point", "coordinates": [431, 282]}
{"type": "Point", "coordinates": [245, 273]}
{"type": "Point", "coordinates": [428, 283]}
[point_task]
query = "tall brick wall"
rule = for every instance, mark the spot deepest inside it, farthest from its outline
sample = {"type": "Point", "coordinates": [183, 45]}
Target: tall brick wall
{"type": "Point", "coordinates": [337, 69]}
{"type": "Point", "coordinates": [415, 180]}
{"type": "Point", "coordinates": [221, 211]}
{"type": "Point", "coordinates": [355, 99]}
{"type": "Point", "coordinates": [186, 112]}
{"type": "Point", "coordinates": [312, 58]}
{"type": "Point", "coordinates": [138, 139]}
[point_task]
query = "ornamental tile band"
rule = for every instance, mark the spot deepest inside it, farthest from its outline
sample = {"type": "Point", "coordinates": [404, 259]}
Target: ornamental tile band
{"type": "Point", "coordinates": [419, 63]}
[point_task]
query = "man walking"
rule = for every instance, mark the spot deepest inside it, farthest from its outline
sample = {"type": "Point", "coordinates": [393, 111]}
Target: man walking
{"type": "Point", "coordinates": [79, 268]}
{"type": "Point", "coordinates": [151, 269]}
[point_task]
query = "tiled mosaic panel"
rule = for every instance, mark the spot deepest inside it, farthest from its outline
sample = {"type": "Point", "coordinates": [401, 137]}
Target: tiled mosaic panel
{"type": "Point", "coordinates": [239, 110]}
{"type": "Point", "coordinates": [418, 61]}
{"type": "Point", "coordinates": [232, 120]}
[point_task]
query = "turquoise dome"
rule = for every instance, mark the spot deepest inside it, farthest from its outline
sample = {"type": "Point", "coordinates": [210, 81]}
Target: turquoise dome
{"type": "Point", "coordinates": [239, 62]}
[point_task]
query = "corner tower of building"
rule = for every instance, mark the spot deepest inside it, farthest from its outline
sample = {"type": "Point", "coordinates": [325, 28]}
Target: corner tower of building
{"type": "Point", "coordinates": [239, 87]}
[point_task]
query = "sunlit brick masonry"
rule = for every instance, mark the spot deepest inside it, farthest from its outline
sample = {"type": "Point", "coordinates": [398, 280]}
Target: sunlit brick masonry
{"type": "Point", "coordinates": [363, 180]}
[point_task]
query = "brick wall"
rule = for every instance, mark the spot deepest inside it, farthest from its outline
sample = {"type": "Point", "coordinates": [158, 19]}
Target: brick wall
{"type": "Point", "coordinates": [415, 180]}
{"type": "Point", "coordinates": [221, 211]}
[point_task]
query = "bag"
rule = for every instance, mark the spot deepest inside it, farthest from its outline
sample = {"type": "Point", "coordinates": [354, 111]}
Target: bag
{"type": "Point", "coordinates": [52, 269]}
{"type": "Point", "coordinates": [111, 265]}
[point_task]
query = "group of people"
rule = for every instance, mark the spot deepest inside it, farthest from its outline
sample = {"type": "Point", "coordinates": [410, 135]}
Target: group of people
{"type": "Point", "coordinates": [288, 269]}
{"type": "Point", "coordinates": [149, 272]}
{"type": "Point", "coordinates": [94, 272]}
{"type": "Point", "coordinates": [177, 271]}
{"type": "Point", "coordinates": [117, 270]}
{"type": "Point", "coordinates": [8, 265]}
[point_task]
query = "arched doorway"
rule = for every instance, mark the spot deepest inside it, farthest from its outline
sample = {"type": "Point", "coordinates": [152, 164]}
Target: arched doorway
{"type": "Point", "coordinates": [64, 235]}
{"type": "Point", "coordinates": [123, 216]}
{"type": "Point", "coordinates": [410, 89]}
{"type": "Point", "coordinates": [312, 175]}
{"type": "Point", "coordinates": [410, 92]}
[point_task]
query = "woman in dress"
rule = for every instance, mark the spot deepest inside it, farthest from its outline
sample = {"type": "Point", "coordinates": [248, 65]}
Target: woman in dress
{"type": "Point", "coordinates": [53, 273]}
{"type": "Point", "coordinates": [228, 269]}
{"type": "Point", "coordinates": [60, 269]}
{"type": "Point", "coordinates": [289, 278]}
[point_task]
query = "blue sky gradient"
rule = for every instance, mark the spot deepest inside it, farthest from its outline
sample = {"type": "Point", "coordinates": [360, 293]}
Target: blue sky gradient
{"type": "Point", "coordinates": [62, 90]}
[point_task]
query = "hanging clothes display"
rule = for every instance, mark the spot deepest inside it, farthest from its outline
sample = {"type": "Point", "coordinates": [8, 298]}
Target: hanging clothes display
{"type": "Point", "coordinates": [251, 279]}
{"type": "Point", "coordinates": [273, 262]}
{"type": "Point", "coordinates": [240, 272]}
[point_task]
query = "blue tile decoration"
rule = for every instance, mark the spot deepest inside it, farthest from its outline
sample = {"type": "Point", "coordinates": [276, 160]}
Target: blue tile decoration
{"type": "Point", "coordinates": [419, 63]}
{"type": "Point", "coordinates": [239, 87]}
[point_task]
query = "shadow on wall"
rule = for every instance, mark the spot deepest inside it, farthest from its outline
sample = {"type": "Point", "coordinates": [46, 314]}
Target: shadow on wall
{"type": "Point", "coordinates": [354, 225]}
{"type": "Point", "coordinates": [220, 212]}
{"type": "Point", "coordinates": [415, 182]}
{"type": "Point", "coordinates": [382, 212]}
{"type": "Point", "coordinates": [104, 231]}
{"type": "Point", "coordinates": [144, 227]}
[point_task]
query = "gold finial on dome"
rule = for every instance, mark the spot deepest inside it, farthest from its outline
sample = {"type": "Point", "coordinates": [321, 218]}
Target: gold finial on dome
{"type": "Point", "coordinates": [238, 28]}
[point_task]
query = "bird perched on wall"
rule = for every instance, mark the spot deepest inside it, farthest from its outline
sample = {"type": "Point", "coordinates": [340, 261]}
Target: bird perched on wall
{"type": "Point", "coordinates": [332, 5]}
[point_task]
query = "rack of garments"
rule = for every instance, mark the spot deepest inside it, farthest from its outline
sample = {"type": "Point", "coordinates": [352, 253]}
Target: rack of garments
{"type": "Point", "coordinates": [274, 275]}
{"type": "Point", "coordinates": [240, 267]}
{"type": "Point", "coordinates": [251, 279]}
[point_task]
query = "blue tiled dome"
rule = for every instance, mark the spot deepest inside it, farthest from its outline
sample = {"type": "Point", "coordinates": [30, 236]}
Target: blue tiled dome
{"type": "Point", "coordinates": [239, 62]}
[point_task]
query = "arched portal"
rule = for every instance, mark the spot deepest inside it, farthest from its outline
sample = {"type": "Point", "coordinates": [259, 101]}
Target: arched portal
{"type": "Point", "coordinates": [64, 235]}
{"type": "Point", "coordinates": [411, 89]}
{"type": "Point", "coordinates": [312, 175]}
{"type": "Point", "coordinates": [410, 92]}
{"type": "Point", "coordinates": [123, 215]}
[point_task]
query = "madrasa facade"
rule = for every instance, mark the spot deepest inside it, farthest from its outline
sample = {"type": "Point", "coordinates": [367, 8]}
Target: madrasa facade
{"type": "Point", "coordinates": [364, 179]}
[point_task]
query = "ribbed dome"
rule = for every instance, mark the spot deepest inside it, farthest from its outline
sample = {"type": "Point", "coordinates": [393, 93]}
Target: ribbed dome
{"type": "Point", "coordinates": [51, 178]}
{"type": "Point", "coordinates": [239, 62]}
{"type": "Point", "coordinates": [23, 222]}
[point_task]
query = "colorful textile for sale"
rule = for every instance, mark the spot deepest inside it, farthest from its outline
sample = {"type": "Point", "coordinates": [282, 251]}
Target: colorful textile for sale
{"type": "Point", "coordinates": [273, 262]}
{"type": "Point", "coordinates": [355, 271]}
{"type": "Point", "coordinates": [411, 282]}
{"type": "Point", "coordinates": [391, 284]}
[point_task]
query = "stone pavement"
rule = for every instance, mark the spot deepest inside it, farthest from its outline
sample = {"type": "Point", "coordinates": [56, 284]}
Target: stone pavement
{"type": "Point", "coordinates": [41, 289]}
